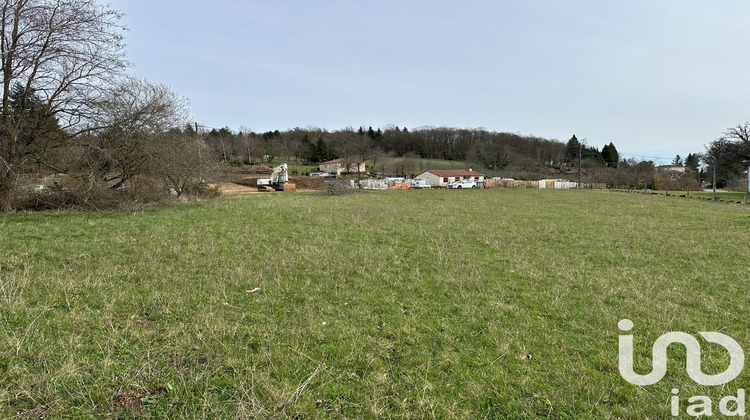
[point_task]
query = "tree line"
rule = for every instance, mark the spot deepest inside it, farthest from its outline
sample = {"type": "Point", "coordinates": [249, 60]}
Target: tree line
{"type": "Point", "coordinates": [492, 150]}
{"type": "Point", "coordinates": [721, 165]}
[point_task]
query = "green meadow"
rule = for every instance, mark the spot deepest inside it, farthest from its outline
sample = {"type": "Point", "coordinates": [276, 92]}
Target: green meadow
{"type": "Point", "coordinates": [500, 304]}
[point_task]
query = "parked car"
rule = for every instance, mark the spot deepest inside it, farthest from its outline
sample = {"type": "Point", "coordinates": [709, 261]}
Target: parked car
{"type": "Point", "coordinates": [462, 184]}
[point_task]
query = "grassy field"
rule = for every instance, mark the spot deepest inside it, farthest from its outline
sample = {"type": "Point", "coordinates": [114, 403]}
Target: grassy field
{"type": "Point", "coordinates": [395, 304]}
{"type": "Point", "coordinates": [724, 195]}
{"type": "Point", "coordinates": [728, 196]}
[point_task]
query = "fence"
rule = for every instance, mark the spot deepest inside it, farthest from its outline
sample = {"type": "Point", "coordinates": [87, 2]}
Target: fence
{"type": "Point", "coordinates": [504, 183]}
{"type": "Point", "coordinates": [341, 183]}
{"type": "Point", "coordinates": [373, 184]}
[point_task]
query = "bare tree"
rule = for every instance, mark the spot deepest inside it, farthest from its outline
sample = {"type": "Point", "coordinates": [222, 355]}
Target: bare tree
{"type": "Point", "coordinates": [62, 51]}
{"type": "Point", "coordinates": [138, 105]}
{"type": "Point", "coordinates": [364, 148]}
{"type": "Point", "coordinates": [740, 132]}
{"type": "Point", "coordinates": [409, 164]}
{"type": "Point", "coordinates": [132, 115]}
{"type": "Point", "coordinates": [723, 157]}
{"type": "Point", "coordinates": [355, 147]}
{"type": "Point", "coordinates": [642, 173]}
{"type": "Point", "coordinates": [181, 161]}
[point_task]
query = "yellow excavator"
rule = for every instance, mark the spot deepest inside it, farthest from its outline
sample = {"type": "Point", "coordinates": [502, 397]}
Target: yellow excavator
{"type": "Point", "coordinates": [279, 181]}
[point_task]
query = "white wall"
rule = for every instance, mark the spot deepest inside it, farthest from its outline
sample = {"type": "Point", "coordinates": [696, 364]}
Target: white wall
{"type": "Point", "coordinates": [432, 179]}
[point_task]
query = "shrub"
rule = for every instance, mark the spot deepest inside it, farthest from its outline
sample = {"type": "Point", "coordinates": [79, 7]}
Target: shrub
{"type": "Point", "coordinates": [335, 188]}
{"type": "Point", "coordinates": [202, 190]}
{"type": "Point", "coordinates": [96, 198]}
{"type": "Point", "coordinates": [237, 161]}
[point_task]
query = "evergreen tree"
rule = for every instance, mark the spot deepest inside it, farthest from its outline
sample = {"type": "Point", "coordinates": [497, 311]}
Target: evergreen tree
{"type": "Point", "coordinates": [307, 150]}
{"type": "Point", "coordinates": [606, 155]}
{"type": "Point", "coordinates": [677, 161]}
{"type": "Point", "coordinates": [37, 127]}
{"type": "Point", "coordinates": [692, 162]}
{"type": "Point", "coordinates": [323, 151]}
{"type": "Point", "coordinates": [614, 156]}
{"type": "Point", "coordinates": [572, 149]}
{"type": "Point", "coordinates": [592, 153]}
{"type": "Point", "coordinates": [610, 155]}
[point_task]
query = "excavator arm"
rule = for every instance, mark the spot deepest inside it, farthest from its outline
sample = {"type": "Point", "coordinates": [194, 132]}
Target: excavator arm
{"type": "Point", "coordinates": [279, 180]}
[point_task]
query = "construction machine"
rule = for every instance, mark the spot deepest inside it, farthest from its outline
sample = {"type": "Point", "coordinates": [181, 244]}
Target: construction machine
{"type": "Point", "coordinates": [279, 181]}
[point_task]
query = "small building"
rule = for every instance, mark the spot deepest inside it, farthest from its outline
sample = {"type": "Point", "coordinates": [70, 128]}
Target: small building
{"type": "Point", "coordinates": [337, 166]}
{"type": "Point", "coordinates": [441, 178]}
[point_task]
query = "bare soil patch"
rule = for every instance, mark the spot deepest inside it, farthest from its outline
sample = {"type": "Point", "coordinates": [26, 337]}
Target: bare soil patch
{"type": "Point", "coordinates": [133, 401]}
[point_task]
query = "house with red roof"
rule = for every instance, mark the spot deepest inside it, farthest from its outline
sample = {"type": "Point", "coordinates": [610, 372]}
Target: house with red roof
{"type": "Point", "coordinates": [441, 178]}
{"type": "Point", "coordinates": [672, 171]}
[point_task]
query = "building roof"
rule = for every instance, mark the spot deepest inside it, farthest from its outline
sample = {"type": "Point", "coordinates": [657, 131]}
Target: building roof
{"type": "Point", "coordinates": [677, 168]}
{"type": "Point", "coordinates": [454, 173]}
{"type": "Point", "coordinates": [348, 161]}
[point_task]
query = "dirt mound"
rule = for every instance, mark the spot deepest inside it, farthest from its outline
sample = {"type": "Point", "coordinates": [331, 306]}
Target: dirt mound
{"type": "Point", "coordinates": [302, 182]}
{"type": "Point", "coordinates": [230, 188]}
{"type": "Point", "coordinates": [306, 182]}
{"type": "Point", "coordinates": [249, 183]}
{"type": "Point", "coordinates": [257, 170]}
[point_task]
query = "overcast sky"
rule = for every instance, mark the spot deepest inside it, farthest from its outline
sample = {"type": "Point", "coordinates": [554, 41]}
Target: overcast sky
{"type": "Point", "coordinates": [655, 77]}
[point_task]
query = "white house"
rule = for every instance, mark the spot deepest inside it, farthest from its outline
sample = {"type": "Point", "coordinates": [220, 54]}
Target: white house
{"type": "Point", "coordinates": [337, 166]}
{"type": "Point", "coordinates": [441, 178]}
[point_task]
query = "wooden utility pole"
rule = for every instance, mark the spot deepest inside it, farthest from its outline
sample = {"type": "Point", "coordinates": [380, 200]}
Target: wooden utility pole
{"type": "Point", "coordinates": [714, 180]}
{"type": "Point", "coordinates": [200, 158]}
{"type": "Point", "coordinates": [580, 152]}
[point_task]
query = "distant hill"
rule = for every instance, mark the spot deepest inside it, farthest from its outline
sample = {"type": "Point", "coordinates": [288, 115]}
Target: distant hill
{"type": "Point", "coordinates": [501, 153]}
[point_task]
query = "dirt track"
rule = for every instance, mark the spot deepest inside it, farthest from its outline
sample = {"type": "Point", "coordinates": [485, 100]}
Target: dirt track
{"type": "Point", "coordinates": [230, 188]}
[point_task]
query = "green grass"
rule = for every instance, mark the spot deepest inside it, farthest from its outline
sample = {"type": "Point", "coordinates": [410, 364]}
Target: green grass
{"type": "Point", "coordinates": [394, 304]}
{"type": "Point", "coordinates": [724, 195]}
{"type": "Point", "coordinates": [729, 196]}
